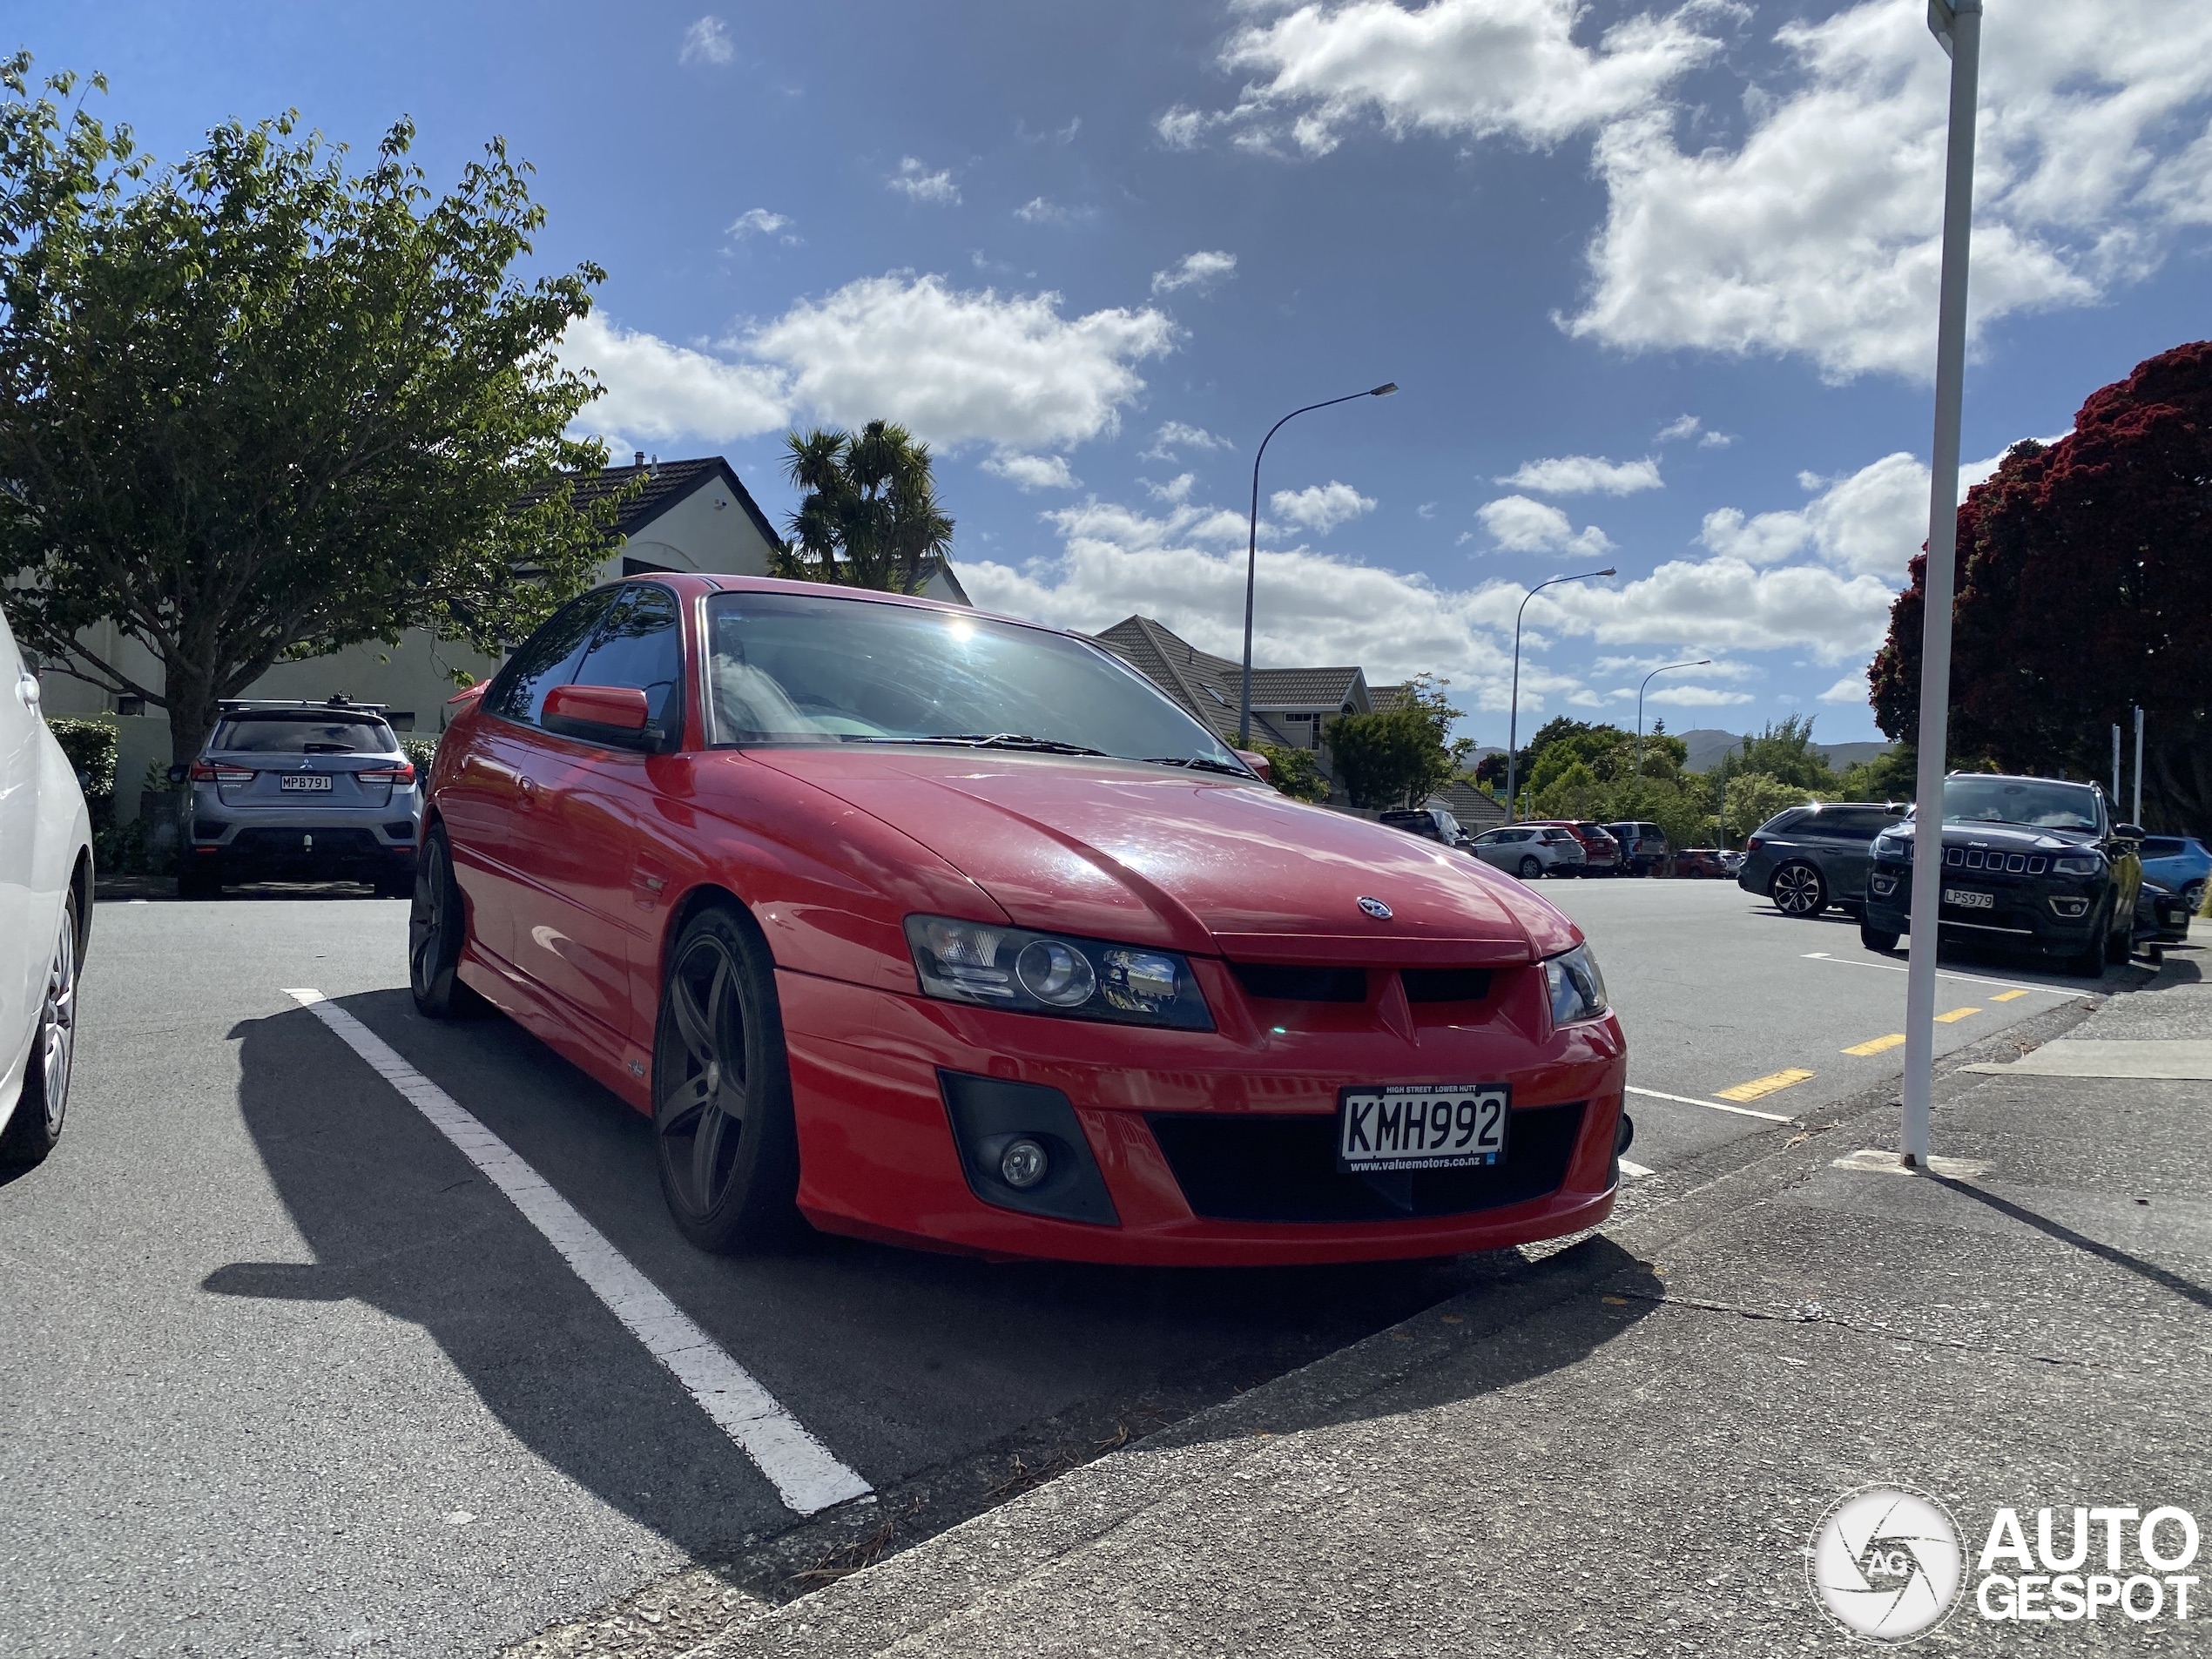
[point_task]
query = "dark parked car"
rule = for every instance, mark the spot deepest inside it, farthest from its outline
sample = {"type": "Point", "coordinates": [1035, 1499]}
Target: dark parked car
{"type": "Point", "coordinates": [1810, 857]}
{"type": "Point", "coordinates": [2161, 916]}
{"type": "Point", "coordinates": [300, 791]}
{"type": "Point", "coordinates": [1643, 846]}
{"type": "Point", "coordinates": [1601, 852]}
{"type": "Point", "coordinates": [2030, 862]}
{"type": "Point", "coordinates": [1432, 823]}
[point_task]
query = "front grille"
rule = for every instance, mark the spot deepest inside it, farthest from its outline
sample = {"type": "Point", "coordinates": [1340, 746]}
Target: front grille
{"type": "Point", "coordinates": [1288, 982]}
{"type": "Point", "coordinates": [1445, 984]}
{"type": "Point", "coordinates": [1234, 1167]}
{"type": "Point", "coordinates": [1994, 863]}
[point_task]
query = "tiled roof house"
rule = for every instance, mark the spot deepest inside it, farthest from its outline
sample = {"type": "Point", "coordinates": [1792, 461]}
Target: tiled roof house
{"type": "Point", "coordinates": [1290, 705]}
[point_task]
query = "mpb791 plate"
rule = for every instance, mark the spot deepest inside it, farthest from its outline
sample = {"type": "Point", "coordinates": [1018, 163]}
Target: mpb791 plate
{"type": "Point", "coordinates": [317, 782]}
{"type": "Point", "coordinates": [1422, 1126]}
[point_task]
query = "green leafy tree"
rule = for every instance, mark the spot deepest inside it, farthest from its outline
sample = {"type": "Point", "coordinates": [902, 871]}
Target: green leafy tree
{"type": "Point", "coordinates": [1785, 752]}
{"type": "Point", "coordinates": [1295, 772]}
{"type": "Point", "coordinates": [868, 516]}
{"type": "Point", "coordinates": [1399, 756]}
{"type": "Point", "coordinates": [1751, 797]}
{"type": "Point", "coordinates": [255, 409]}
{"type": "Point", "coordinates": [1891, 775]}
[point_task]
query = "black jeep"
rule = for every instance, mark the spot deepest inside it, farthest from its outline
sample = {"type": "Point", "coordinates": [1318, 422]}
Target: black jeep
{"type": "Point", "coordinates": [2029, 862]}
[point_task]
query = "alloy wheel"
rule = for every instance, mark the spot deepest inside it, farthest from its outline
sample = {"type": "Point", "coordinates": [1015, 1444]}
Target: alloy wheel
{"type": "Point", "coordinates": [427, 921]}
{"type": "Point", "coordinates": [59, 1022]}
{"type": "Point", "coordinates": [1530, 869]}
{"type": "Point", "coordinates": [703, 1112]}
{"type": "Point", "coordinates": [1798, 891]}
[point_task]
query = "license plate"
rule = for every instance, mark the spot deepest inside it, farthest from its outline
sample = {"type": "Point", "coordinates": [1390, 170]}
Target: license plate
{"type": "Point", "coordinates": [1422, 1126]}
{"type": "Point", "coordinates": [1967, 899]}
{"type": "Point", "coordinates": [309, 781]}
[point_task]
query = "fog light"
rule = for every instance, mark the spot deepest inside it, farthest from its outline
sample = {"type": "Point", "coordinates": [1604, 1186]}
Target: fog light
{"type": "Point", "coordinates": [2069, 906]}
{"type": "Point", "coordinates": [1022, 1164]}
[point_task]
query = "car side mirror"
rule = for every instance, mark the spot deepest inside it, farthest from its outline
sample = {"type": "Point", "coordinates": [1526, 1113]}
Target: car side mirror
{"type": "Point", "coordinates": [2128, 831]}
{"type": "Point", "coordinates": [178, 774]}
{"type": "Point", "coordinates": [616, 714]}
{"type": "Point", "coordinates": [1257, 763]}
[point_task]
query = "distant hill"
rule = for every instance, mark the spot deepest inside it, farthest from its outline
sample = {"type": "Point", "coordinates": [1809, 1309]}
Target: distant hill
{"type": "Point", "coordinates": [1707, 745]}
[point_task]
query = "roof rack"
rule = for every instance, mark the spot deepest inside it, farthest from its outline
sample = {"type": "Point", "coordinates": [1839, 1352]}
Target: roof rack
{"type": "Point", "coordinates": [271, 704]}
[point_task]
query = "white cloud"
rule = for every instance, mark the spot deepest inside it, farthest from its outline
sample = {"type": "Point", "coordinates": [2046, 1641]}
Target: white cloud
{"type": "Point", "coordinates": [1463, 68]}
{"type": "Point", "coordinates": [1176, 489]}
{"type": "Point", "coordinates": [1175, 436]}
{"type": "Point", "coordinates": [758, 221]}
{"type": "Point", "coordinates": [657, 391]}
{"type": "Point", "coordinates": [706, 41]}
{"type": "Point", "coordinates": [1716, 441]}
{"type": "Point", "coordinates": [957, 366]}
{"type": "Point", "coordinates": [1200, 271]}
{"type": "Point", "coordinates": [1320, 508]}
{"type": "Point", "coordinates": [1819, 233]}
{"type": "Point", "coordinates": [1727, 604]}
{"type": "Point", "coordinates": [1584, 475]}
{"type": "Point", "coordinates": [918, 184]}
{"type": "Point", "coordinates": [1695, 697]}
{"type": "Point", "coordinates": [1042, 210]}
{"type": "Point", "coordinates": [1032, 472]}
{"type": "Point", "coordinates": [1683, 426]}
{"type": "Point", "coordinates": [1850, 689]}
{"type": "Point", "coordinates": [1519, 525]}
{"type": "Point", "coordinates": [1426, 509]}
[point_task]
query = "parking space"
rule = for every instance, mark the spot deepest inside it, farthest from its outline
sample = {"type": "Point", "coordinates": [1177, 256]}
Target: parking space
{"type": "Point", "coordinates": [294, 1368]}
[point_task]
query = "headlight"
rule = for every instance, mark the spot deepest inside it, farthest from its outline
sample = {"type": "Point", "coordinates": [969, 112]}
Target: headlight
{"type": "Point", "coordinates": [1577, 988]}
{"type": "Point", "coordinates": [2078, 864]}
{"type": "Point", "coordinates": [1032, 972]}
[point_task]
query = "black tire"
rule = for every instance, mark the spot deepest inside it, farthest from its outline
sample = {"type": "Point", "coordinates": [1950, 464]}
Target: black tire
{"type": "Point", "coordinates": [723, 1135]}
{"type": "Point", "coordinates": [2120, 946]}
{"type": "Point", "coordinates": [1876, 938]}
{"type": "Point", "coordinates": [2088, 962]}
{"type": "Point", "coordinates": [437, 926]}
{"type": "Point", "coordinates": [1530, 869]}
{"type": "Point", "coordinates": [35, 1127]}
{"type": "Point", "coordinates": [1798, 890]}
{"type": "Point", "coordinates": [195, 881]}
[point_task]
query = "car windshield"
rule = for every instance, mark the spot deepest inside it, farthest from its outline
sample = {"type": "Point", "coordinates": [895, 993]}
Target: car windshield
{"type": "Point", "coordinates": [2034, 803]}
{"type": "Point", "coordinates": [296, 735]}
{"type": "Point", "coordinates": [794, 669]}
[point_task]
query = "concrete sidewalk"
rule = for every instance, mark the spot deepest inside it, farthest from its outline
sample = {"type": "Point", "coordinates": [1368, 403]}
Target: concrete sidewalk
{"type": "Point", "coordinates": [1624, 1448]}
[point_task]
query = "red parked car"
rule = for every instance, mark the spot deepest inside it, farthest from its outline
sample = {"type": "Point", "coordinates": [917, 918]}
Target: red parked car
{"type": "Point", "coordinates": [1601, 850]}
{"type": "Point", "coordinates": [945, 929]}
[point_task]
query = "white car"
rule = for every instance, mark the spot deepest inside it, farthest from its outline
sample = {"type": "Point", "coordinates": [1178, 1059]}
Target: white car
{"type": "Point", "coordinates": [1530, 850]}
{"type": "Point", "coordinates": [46, 913]}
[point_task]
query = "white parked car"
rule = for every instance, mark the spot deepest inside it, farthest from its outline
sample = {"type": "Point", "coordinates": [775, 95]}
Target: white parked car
{"type": "Point", "coordinates": [46, 913]}
{"type": "Point", "coordinates": [1531, 850]}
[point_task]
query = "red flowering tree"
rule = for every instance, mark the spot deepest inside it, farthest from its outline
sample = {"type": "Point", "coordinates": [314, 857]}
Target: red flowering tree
{"type": "Point", "coordinates": [2085, 589]}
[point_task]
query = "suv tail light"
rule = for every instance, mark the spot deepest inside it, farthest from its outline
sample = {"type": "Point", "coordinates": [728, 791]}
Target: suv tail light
{"type": "Point", "coordinates": [399, 777]}
{"type": "Point", "coordinates": [1753, 844]}
{"type": "Point", "coordinates": [202, 772]}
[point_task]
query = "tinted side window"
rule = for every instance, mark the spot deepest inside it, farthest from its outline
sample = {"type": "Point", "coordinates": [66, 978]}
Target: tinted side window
{"type": "Point", "coordinates": [548, 658]}
{"type": "Point", "coordinates": [1783, 823]}
{"type": "Point", "coordinates": [641, 644]}
{"type": "Point", "coordinates": [2161, 847]}
{"type": "Point", "coordinates": [1857, 823]}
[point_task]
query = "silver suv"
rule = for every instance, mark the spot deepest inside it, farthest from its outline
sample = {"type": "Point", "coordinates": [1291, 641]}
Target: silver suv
{"type": "Point", "coordinates": [300, 791]}
{"type": "Point", "coordinates": [1531, 850]}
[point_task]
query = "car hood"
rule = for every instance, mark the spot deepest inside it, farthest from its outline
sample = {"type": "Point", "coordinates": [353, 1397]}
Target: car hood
{"type": "Point", "coordinates": [2009, 838]}
{"type": "Point", "coordinates": [1121, 850]}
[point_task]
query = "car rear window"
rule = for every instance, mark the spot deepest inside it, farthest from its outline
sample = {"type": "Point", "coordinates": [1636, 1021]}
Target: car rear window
{"type": "Point", "coordinates": [2161, 847]}
{"type": "Point", "coordinates": [297, 735]}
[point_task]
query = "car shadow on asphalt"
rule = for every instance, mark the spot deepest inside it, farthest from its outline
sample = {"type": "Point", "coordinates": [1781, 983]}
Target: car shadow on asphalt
{"type": "Point", "coordinates": [913, 1367]}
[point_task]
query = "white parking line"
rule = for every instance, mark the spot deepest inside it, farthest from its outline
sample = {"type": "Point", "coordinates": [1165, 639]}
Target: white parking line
{"type": "Point", "coordinates": [806, 1475]}
{"type": "Point", "coordinates": [1968, 979]}
{"type": "Point", "coordinates": [1689, 1100]}
{"type": "Point", "coordinates": [1634, 1171]}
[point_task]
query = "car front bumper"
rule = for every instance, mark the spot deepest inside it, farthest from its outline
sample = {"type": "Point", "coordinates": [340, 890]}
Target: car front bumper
{"type": "Point", "coordinates": [2022, 917]}
{"type": "Point", "coordinates": [878, 1159]}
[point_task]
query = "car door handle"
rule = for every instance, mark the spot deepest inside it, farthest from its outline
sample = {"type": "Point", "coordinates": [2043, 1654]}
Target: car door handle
{"type": "Point", "coordinates": [528, 787]}
{"type": "Point", "coordinates": [27, 690]}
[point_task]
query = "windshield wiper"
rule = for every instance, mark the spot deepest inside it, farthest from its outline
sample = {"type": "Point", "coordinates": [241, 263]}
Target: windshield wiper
{"type": "Point", "coordinates": [983, 740]}
{"type": "Point", "coordinates": [1200, 763]}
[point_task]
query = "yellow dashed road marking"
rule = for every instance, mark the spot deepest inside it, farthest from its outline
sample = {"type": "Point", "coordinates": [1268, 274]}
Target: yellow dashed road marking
{"type": "Point", "coordinates": [2006, 996]}
{"type": "Point", "coordinates": [1760, 1087]}
{"type": "Point", "coordinates": [1878, 1045]}
{"type": "Point", "coordinates": [1955, 1016]}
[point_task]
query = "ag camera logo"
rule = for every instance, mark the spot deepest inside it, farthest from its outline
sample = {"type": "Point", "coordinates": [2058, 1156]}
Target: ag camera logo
{"type": "Point", "coordinates": [1886, 1563]}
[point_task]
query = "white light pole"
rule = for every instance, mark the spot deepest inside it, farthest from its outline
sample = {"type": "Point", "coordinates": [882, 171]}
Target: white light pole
{"type": "Point", "coordinates": [1703, 661]}
{"type": "Point", "coordinates": [1251, 549]}
{"type": "Point", "coordinates": [1512, 715]}
{"type": "Point", "coordinates": [2137, 816]}
{"type": "Point", "coordinates": [1957, 23]}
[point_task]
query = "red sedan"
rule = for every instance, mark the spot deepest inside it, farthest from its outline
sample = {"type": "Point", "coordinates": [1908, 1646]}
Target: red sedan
{"type": "Point", "coordinates": [949, 930]}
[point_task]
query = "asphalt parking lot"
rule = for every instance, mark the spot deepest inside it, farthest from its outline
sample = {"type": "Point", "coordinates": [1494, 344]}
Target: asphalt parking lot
{"type": "Point", "coordinates": [287, 1373]}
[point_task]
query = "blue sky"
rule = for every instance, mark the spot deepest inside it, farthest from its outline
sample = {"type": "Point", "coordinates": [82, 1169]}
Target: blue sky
{"type": "Point", "coordinates": [1657, 281]}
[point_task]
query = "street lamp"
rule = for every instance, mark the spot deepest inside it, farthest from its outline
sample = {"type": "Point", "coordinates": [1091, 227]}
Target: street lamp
{"type": "Point", "coordinates": [1703, 661]}
{"type": "Point", "coordinates": [1957, 24]}
{"type": "Point", "coordinates": [1513, 717]}
{"type": "Point", "coordinates": [1251, 550]}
